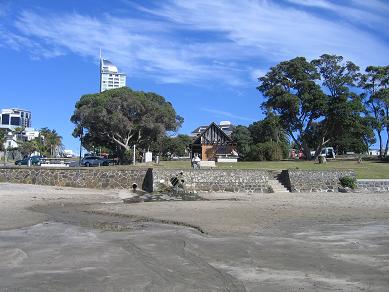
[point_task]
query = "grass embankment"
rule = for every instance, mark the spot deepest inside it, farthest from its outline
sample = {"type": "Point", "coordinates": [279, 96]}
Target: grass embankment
{"type": "Point", "coordinates": [366, 169]}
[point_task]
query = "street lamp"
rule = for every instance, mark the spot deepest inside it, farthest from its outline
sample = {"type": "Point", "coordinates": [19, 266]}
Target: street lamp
{"type": "Point", "coordinates": [81, 133]}
{"type": "Point", "coordinates": [7, 136]}
{"type": "Point", "coordinates": [133, 155]}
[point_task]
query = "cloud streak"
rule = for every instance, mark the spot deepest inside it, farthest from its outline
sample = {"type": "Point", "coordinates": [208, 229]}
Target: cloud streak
{"type": "Point", "coordinates": [235, 37]}
{"type": "Point", "coordinates": [225, 114]}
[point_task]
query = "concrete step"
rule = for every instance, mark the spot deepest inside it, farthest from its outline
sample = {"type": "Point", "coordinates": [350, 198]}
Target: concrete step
{"type": "Point", "coordinates": [277, 186]}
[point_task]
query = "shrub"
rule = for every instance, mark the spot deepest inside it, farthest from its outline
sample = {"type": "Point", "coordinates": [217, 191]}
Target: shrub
{"type": "Point", "coordinates": [266, 151]}
{"type": "Point", "coordinates": [348, 181]}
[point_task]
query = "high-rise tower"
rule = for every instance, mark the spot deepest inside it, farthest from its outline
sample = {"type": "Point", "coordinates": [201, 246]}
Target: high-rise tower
{"type": "Point", "coordinates": [109, 76]}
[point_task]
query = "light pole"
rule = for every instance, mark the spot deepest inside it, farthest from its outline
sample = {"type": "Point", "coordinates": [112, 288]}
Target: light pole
{"type": "Point", "coordinates": [133, 156]}
{"type": "Point", "coordinates": [5, 147]}
{"type": "Point", "coordinates": [5, 155]}
{"type": "Point", "coordinates": [79, 162]}
{"type": "Point", "coordinates": [7, 136]}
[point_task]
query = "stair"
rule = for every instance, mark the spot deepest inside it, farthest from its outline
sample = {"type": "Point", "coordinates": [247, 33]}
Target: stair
{"type": "Point", "coordinates": [276, 182]}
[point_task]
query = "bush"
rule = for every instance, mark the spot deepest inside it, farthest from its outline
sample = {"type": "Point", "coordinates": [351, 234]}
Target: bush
{"type": "Point", "coordinates": [266, 151]}
{"type": "Point", "coordinates": [348, 182]}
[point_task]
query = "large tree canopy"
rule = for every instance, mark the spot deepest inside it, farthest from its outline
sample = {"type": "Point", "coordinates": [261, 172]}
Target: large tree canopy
{"type": "Point", "coordinates": [375, 83]}
{"type": "Point", "coordinates": [293, 94]}
{"type": "Point", "coordinates": [317, 103]}
{"type": "Point", "coordinates": [344, 124]}
{"type": "Point", "coordinates": [123, 117]}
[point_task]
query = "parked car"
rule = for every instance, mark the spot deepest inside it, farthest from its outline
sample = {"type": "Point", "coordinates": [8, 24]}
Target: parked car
{"type": "Point", "coordinates": [328, 152]}
{"type": "Point", "coordinates": [94, 161]}
{"type": "Point", "coordinates": [35, 160]}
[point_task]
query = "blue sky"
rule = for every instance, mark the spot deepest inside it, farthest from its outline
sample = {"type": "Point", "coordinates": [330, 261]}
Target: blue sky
{"type": "Point", "coordinates": [203, 56]}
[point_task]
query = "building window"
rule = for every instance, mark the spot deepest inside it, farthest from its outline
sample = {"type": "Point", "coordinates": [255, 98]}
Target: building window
{"type": "Point", "coordinates": [15, 121]}
{"type": "Point", "coordinates": [5, 119]}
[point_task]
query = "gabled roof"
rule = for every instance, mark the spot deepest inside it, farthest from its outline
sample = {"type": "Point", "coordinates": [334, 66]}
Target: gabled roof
{"type": "Point", "coordinates": [199, 130]}
{"type": "Point", "coordinates": [213, 135]}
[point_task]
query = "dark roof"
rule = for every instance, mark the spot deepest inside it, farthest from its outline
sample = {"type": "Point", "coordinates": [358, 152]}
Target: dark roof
{"type": "Point", "coordinates": [197, 130]}
{"type": "Point", "coordinates": [213, 134]}
{"type": "Point", "coordinates": [228, 129]}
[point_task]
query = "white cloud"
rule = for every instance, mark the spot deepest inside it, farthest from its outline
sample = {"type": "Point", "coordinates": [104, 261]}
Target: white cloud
{"type": "Point", "coordinates": [372, 13]}
{"type": "Point", "coordinates": [277, 32]}
{"type": "Point", "coordinates": [225, 114]}
{"type": "Point", "coordinates": [257, 73]}
{"type": "Point", "coordinates": [145, 48]}
{"type": "Point", "coordinates": [19, 42]}
{"type": "Point", "coordinates": [241, 37]}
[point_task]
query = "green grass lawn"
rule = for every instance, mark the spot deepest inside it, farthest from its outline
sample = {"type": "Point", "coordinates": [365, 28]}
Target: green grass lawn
{"type": "Point", "coordinates": [366, 169]}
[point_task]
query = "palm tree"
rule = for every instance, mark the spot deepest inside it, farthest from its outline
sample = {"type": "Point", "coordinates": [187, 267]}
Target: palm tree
{"type": "Point", "coordinates": [51, 141]}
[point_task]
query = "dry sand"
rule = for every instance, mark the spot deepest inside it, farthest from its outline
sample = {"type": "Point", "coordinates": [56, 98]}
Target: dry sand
{"type": "Point", "coordinates": [261, 242]}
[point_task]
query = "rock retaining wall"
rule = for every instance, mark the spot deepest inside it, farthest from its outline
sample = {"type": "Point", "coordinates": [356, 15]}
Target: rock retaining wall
{"type": "Point", "coordinates": [75, 177]}
{"type": "Point", "coordinates": [216, 180]}
{"type": "Point", "coordinates": [316, 180]}
{"type": "Point", "coordinates": [373, 185]}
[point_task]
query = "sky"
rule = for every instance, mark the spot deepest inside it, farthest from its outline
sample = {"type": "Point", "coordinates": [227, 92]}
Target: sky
{"type": "Point", "coordinates": [203, 56]}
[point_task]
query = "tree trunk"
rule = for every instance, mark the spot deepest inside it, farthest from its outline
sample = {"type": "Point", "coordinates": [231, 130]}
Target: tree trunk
{"type": "Point", "coordinates": [387, 131]}
{"type": "Point", "coordinates": [380, 142]}
{"type": "Point", "coordinates": [121, 156]}
{"type": "Point", "coordinates": [387, 143]}
{"type": "Point", "coordinates": [307, 151]}
{"type": "Point", "coordinates": [320, 146]}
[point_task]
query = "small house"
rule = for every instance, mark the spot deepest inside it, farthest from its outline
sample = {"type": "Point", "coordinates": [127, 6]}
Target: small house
{"type": "Point", "coordinates": [213, 144]}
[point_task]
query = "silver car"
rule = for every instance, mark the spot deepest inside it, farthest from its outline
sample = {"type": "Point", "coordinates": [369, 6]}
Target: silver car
{"type": "Point", "coordinates": [94, 161]}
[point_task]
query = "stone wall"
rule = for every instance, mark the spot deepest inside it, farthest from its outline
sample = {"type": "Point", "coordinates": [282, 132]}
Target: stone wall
{"type": "Point", "coordinates": [76, 177]}
{"type": "Point", "coordinates": [373, 185]}
{"type": "Point", "coordinates": [315, 180]}
{"type": "Point", "coordinates": [216, 180]}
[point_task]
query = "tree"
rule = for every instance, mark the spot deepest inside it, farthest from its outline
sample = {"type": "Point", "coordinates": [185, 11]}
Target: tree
{"type": "Point", "coordinates": [268, 129]}
{"type": "Point", "coordinates": [344, 124]}
{"type": "Point", "coordinates": [51, 141]}
{"type": "Point", "coordinates": [174, 146]}
{"type": "Point", "coordinates": [28, 147]}
{"type": "Point", "coordinates": [375, 83]}
{"type": "Point", "coordinates": [123, 117]}
{"type": "Point", "coordinates": [3, 134]}
{"type": "Point", "coordinates": [242, 137]}
{"type": "Point", "coordinates": [293, 94]}
{"type": "Point", "coordinates": [269, 150]}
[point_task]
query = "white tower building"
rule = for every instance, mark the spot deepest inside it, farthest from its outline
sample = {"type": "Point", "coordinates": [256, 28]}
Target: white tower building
{"type": "Point", "coordinates": [109, 76]}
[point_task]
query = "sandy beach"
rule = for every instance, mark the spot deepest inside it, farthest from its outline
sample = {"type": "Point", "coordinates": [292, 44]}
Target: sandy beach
{"type": "Point", "coordinates": [67, 239]}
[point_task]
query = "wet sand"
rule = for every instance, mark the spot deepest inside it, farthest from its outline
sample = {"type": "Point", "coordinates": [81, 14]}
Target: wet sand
{"type": "Point", "coordinates": [66, 239]}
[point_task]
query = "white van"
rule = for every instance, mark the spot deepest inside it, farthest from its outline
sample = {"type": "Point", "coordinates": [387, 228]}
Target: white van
{"type": "Point", "coordinates": [328, 152]}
